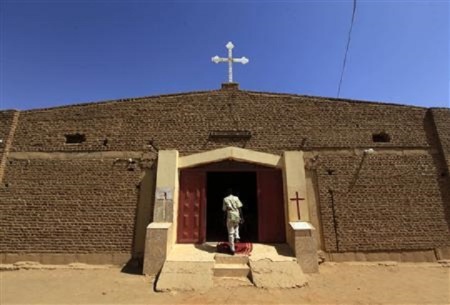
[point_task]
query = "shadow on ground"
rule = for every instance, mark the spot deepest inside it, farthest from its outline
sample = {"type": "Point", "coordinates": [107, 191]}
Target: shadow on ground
{"type": "Point", "coordinates": [133, 266]}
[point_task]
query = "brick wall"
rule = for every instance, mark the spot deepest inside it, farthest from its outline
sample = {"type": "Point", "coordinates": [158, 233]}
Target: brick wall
{"type": "Point", "coordinates": [89, 205]}
{"type": "Point", "coordinates": [441, 118]}
{"type": "Point", "coordinates": [6, 121]}
{"type": "Point", "coordinates": [73, 206]}
{"type": "Point", "coordinates": [383, 201]}
{"type": "Point", "coordinates": [183, 122]}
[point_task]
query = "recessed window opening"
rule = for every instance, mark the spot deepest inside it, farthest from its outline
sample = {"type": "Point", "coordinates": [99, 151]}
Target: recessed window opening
{"type": "Point", "coordinates": [76, 138]}
{"type": "Point", "coordinates": [381, 137]}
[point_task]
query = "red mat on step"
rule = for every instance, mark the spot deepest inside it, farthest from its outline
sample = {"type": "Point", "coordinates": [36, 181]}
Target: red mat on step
{"type": "Point", "coordinates": [241, 248]}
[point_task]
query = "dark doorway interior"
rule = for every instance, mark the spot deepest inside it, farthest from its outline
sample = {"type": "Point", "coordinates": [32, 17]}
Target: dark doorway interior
{"type": "Point", "coordinates": [244, 186]}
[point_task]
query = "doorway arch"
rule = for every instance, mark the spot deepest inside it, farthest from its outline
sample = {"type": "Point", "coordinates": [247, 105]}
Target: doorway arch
{"type": "Point", "coordinates": [202, 188]}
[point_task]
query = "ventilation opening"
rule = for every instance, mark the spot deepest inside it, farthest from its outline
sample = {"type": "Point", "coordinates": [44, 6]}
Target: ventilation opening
{"type": "Point", "coordinates": [76, 138]}
{"type": "Point", "coordinates": [381, 137]}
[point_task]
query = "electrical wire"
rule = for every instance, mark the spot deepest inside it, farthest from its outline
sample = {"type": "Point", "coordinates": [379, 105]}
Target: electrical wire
{"type": "Point", "coordinates": [346, 49]}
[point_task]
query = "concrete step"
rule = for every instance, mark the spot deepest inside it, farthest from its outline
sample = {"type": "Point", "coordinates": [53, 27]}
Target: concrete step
{"type": "Point", "coordinates": [231, 282]}
{"type": "Point", "coordinates": [230, 259]}
{"type": "Point", "coordinates": [231, 270]}
{"type": "Point", "coordinates": [185, 276]}
{"type": "Point", "coordinates": [282, 274]}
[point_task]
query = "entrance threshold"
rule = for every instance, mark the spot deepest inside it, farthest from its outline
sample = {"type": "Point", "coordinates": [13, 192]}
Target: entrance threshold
{"type": "Point", "coordinates": [199, 267]}
{"type": "Point", "coordinates": [206, 252]}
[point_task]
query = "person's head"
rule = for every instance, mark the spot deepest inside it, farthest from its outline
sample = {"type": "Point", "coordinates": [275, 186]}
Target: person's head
{"type": "Point", "coordinates": [229, 191]}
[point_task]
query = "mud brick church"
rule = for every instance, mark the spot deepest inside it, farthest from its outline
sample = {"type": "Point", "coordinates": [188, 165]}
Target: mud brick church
{"type": "Point", "coordinates": [110, 181]}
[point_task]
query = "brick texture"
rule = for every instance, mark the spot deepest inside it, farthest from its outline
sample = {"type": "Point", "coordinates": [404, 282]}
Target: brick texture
{"type": "Point", "coordinates": [396, 201]}
{"type": "Point", "coordinates": [183, 122]}
{"type": "Point", "coordinates": [382, 202]}
{"type": "Point", "coordinates": [6, 122]}
{"type": "Point", "coordinates": [73, 206]}
{"type": "Point", "coordinates": [441, 119]}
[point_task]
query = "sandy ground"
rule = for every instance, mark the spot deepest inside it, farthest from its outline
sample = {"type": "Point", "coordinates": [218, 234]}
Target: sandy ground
{"type": "Point", "coordinates": [337, 283]}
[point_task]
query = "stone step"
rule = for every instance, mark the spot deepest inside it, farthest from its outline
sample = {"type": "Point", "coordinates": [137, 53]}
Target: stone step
{"type": "Point", "coordinates": [231, 282]}
{"type": "Point", "coordinates": [230, 259]}
{"type": "Point", "coordinates": [231, 270]}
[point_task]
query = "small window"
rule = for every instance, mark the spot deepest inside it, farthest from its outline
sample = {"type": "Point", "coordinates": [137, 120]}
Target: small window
{"type": "Point", "coordinates": [381, 137]}
{"type": "Point", "coordinates": [76, 138]}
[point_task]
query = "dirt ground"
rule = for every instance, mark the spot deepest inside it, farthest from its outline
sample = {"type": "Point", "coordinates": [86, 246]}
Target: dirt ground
{"type": "Point", "coordinates": [337, 283]}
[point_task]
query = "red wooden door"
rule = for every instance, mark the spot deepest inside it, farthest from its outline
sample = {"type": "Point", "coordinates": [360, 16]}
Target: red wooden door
{"type": "Point", "coordinates": [271, 221]}
{"type": "Point", "coordinates": [191, 208]}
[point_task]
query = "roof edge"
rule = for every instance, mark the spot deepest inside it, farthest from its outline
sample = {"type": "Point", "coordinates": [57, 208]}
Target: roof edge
{"type": "Point", "coordinates": [262, 93]}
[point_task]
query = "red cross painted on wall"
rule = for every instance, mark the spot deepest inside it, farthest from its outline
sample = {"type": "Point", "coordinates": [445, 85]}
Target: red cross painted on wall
{"type": "Point", "coordinates": [297, 200]}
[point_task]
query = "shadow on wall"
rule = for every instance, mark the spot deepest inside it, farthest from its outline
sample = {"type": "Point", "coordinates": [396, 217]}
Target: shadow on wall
{"type": "Point", "coordinates": [143, 217]}
{"type": "Point", "coordinates": [442, 171]}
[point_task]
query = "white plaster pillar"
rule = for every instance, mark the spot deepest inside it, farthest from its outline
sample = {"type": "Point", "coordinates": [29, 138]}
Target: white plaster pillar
{"type": "Point", "coordinates": [295, 185]}
{"type": "Point", "coordinates": [299, 230]}
{"type": "Point", "coordinates": [161, 233]}
{"type": "Point", "coordinates": [166, 197]}
{"type": "Point", "coordinates": [305, 246]}
{"type": "Point", "coordinates": [158, 244]}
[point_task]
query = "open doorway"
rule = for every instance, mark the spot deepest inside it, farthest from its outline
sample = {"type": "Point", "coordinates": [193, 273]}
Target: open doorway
{"type": "Point", "coordinates": [244, 186]}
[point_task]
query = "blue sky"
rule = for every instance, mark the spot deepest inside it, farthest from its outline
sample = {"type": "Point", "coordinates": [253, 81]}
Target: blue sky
{"type": "Point", "coordinates": [64, 52]}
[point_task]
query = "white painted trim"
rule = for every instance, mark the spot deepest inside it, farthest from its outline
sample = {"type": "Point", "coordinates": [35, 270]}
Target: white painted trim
{"type": "Point", "coordinates": [159, 225]}
{"type": "Point", "coordinates": [301, 225]}
{"type": "Point", "coordinates": [230, 153]}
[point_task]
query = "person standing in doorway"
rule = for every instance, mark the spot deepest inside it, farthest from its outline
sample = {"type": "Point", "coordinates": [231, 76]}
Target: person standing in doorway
{"type": "Point", "coordinates": [232, 206]}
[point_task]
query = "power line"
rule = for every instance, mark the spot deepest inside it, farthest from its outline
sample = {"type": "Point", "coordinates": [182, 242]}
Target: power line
{"type": "Point", "coordinates": [346, 49]}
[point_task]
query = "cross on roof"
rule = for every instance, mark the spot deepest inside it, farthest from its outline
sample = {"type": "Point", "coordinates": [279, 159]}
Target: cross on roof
{"type": "Point", "coordinates": [243, 60]}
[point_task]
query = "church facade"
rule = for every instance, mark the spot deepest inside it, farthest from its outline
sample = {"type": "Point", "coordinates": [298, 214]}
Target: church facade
{"type": "Point", "coordinates": [127, 179]}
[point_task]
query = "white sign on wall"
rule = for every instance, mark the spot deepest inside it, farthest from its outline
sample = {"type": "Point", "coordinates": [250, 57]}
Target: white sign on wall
{"type": "Point", "coordinates": [164, 193]}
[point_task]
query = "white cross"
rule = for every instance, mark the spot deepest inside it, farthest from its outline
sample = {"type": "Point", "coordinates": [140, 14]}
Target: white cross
{"type": "Point", "coordinates": [243, 60]}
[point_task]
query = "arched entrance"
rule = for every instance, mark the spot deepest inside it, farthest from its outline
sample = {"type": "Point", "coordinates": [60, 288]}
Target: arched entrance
{"type": "Point", "coordinates": [202, 188]}
{"type": "Point", "coordinates": [181, 201]}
